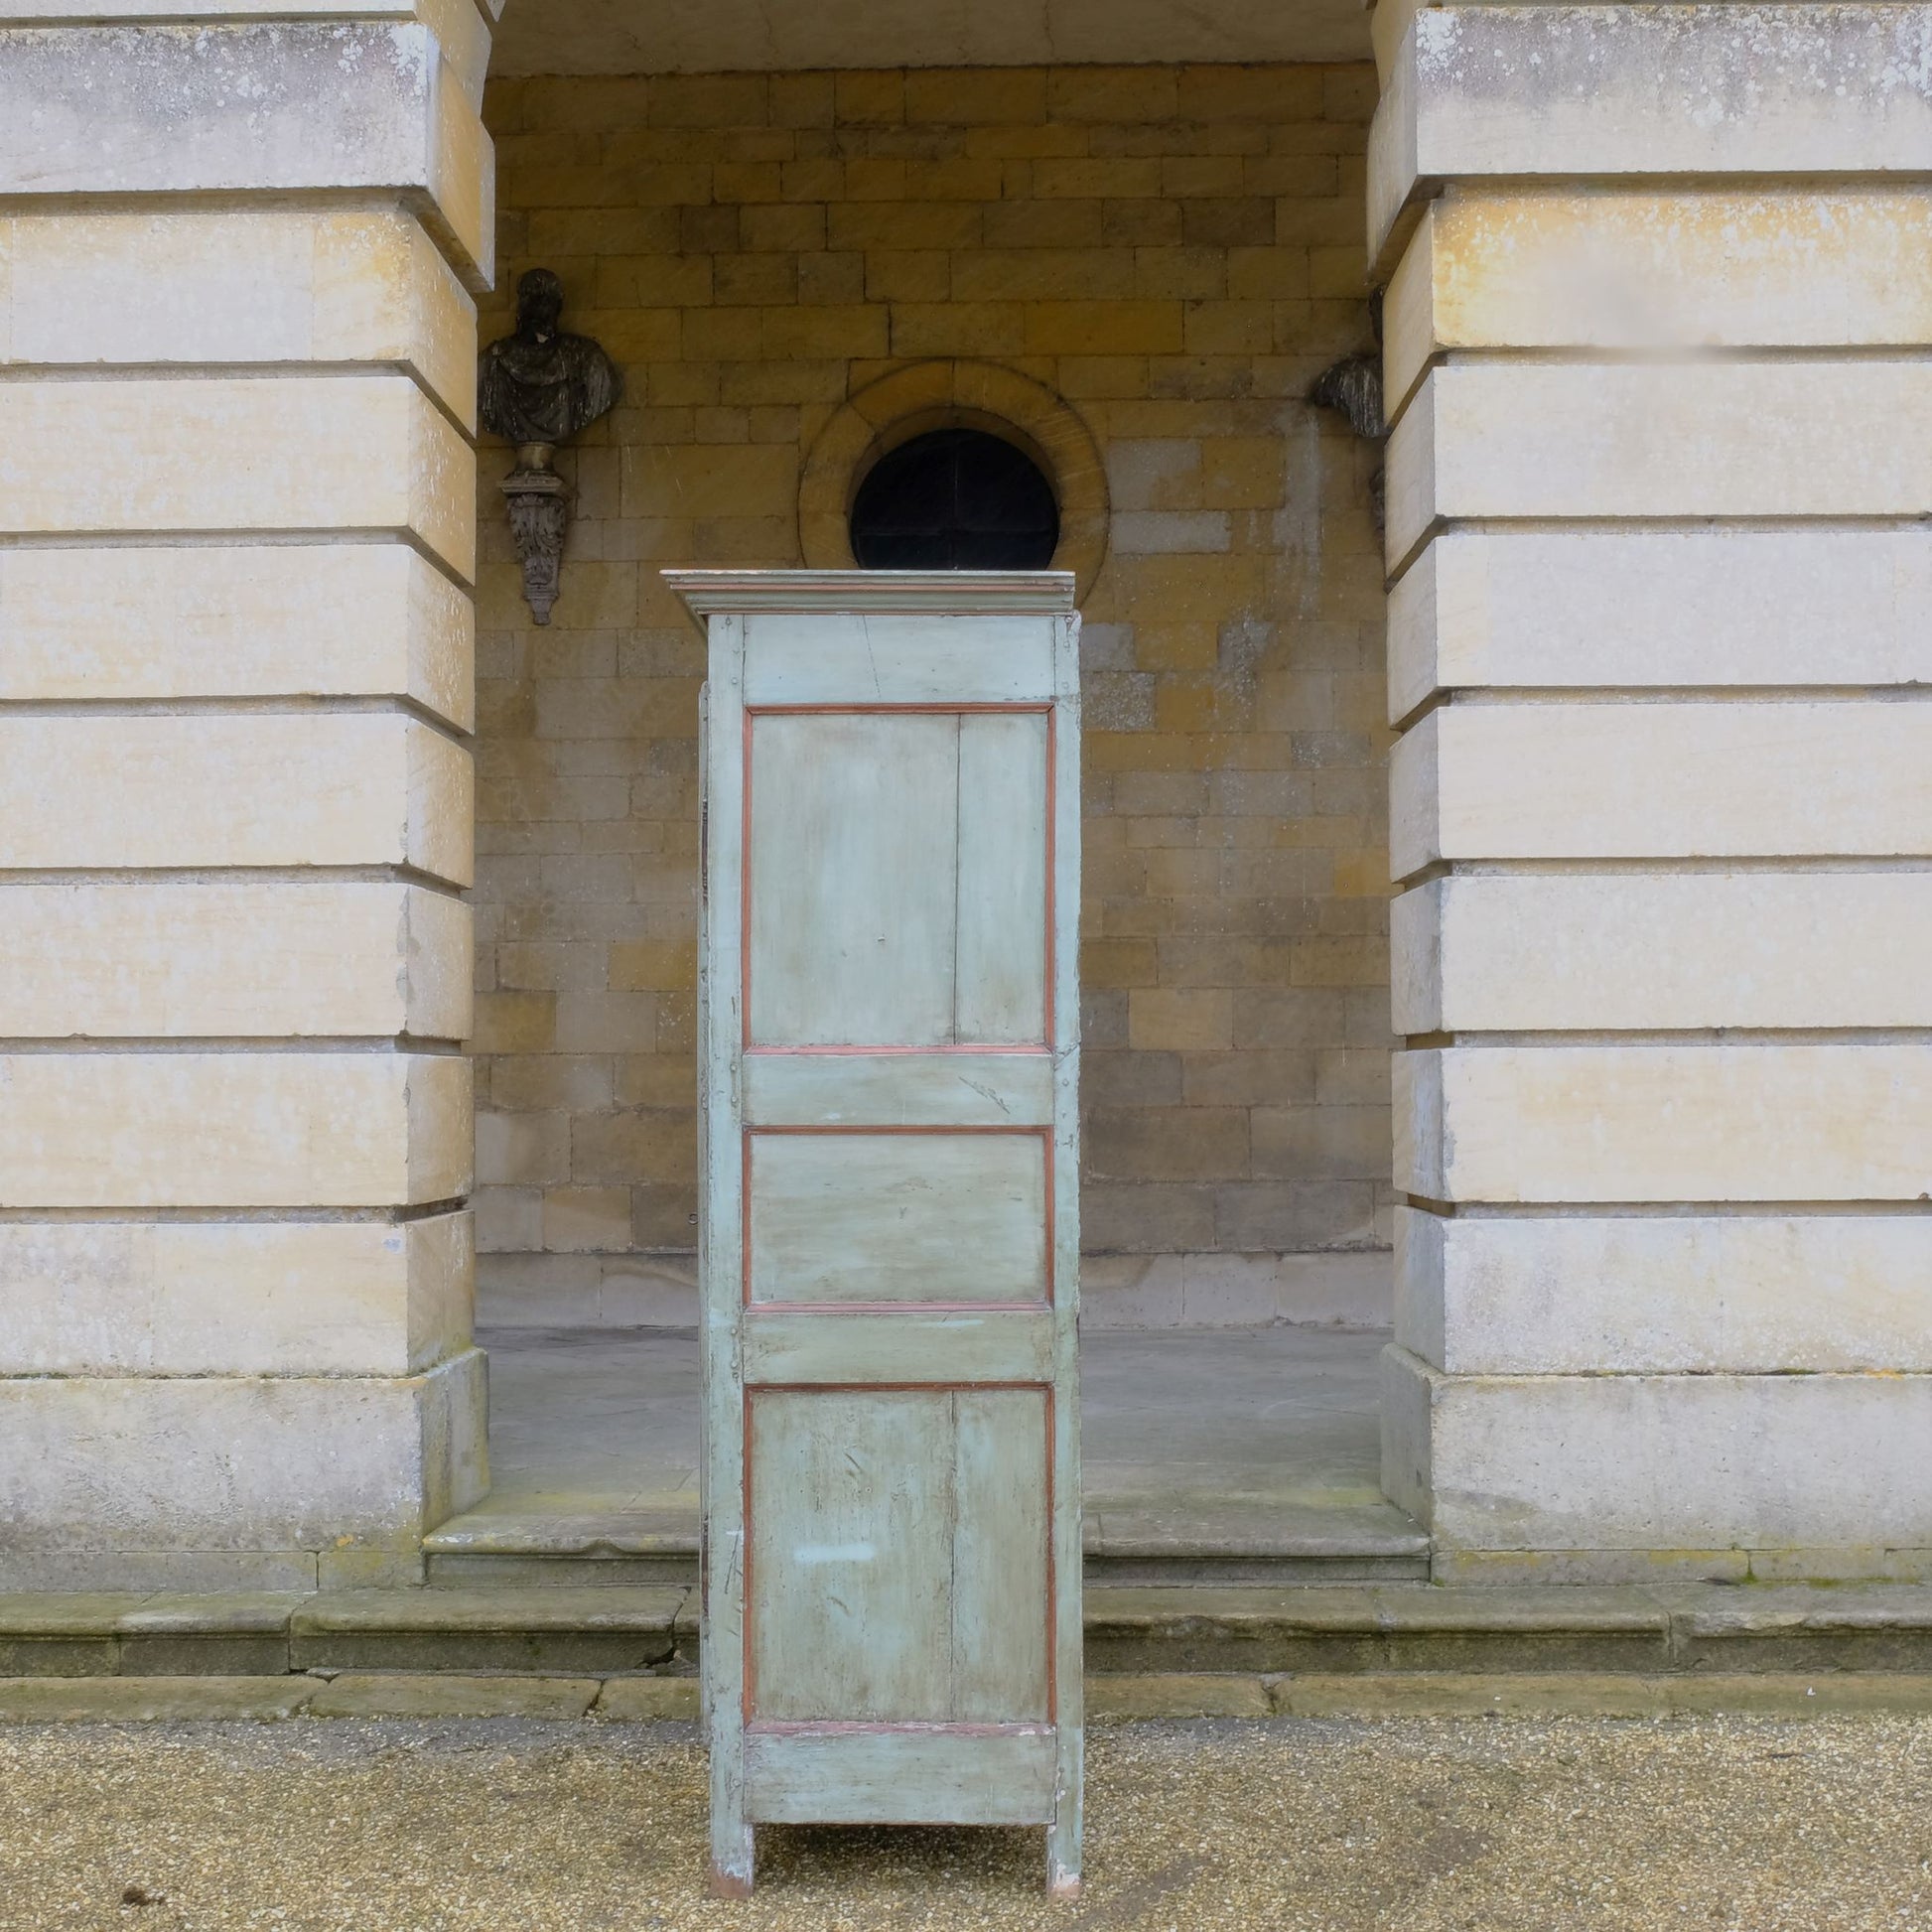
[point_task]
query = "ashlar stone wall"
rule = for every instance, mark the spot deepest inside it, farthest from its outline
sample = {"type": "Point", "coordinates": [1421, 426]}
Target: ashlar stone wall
{"type": "Point", "coordinates": [1660, 641]}
{"type": "Point", "coordinates": [237, 336]}
{"type": "Point", "coordinates": [1170, 255]}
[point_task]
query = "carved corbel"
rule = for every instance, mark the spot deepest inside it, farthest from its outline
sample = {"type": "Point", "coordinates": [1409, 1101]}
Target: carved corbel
{"type": "Point", "coordinates": [538, 387]}
{"type": "Point", "coordinates": [539, 505]}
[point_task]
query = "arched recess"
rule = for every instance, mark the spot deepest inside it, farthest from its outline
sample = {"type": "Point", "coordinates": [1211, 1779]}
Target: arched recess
{"type": "Point", "coordinates": [946, 394]}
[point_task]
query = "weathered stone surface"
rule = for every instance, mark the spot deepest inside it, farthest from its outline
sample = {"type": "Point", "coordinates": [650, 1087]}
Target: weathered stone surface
{"type": "Point", "coordinates": [1661, 1462]}
{"type": "Point", "coordinates": [577, 1631]}
{"type": "Point", "coordinates": [237, 620]}
{"type": "Point", "coordinates": [237, 285]}
{"type": "Point", "coordinates": [44, 1654]}
{"type": "Point", "coordinates": [206, 1464]}
{"type": "Point", "coordinates": [1238, 1630]}
{"type": "Point", "coordinates": [1527, 953]}
{"type": "Point", "coordinates": [1819, 1694]}
{"type": "Point", "coordinates": [151, 1699]}
{"type": "Point", "coordinates": [1083, 46]}
{"type": "Point", "coordinates": [1204, 1693]}
{"type": "Point", "coordinates": [1463, 1694]}
{"type": "Point", "coordinates": [1683, 270]}
{"type": "Point", "coordinates": [1459, 1569]}
{"type": "Point", "coordinates": [1664, 1292]}
{"type": "Point", "coordinates": [132, 1635]}
{"type": "Point", "coordinates": [187, 1636]}
{"type": "Point", "coordinates": [1602, 609]}
{"type": "Point", "coordinates": [210, 1654]}
{"type": "Point", "coordinates": [1388, 26]}
{"type": "Point", "coordinates": [1603, 237]}
{"type": "Point", "coordinates": [450, 1695]}
{"type": "Point", "coordinates": [460, 28]}
{"type": "Point", "coordinates": [1761, 438]}
{"type": "Point", "coordinates": [1190, 1635]}
{"type": "Point", "coordinates": [1501, 1629]}
{"type": "Point", "coordinates": [1663, 781]}
{"type": "Point", "coordinates": [1664, 1122]}
{"type": "Point", "coordinates": [645, 1700]}
{"type": "Point", "coordinates": [233, 1129]}
{"type": "Point", "coordinates": [1223, 1290]}
{"type": "Point", "coordinates": [340, 788]}
{"type": "Point", "coordinates": [1872, 1627]}
{"type": "Point", "coordinates": [370, 1570]}
{"type": "Point", "coordinates": [1486, 92]}
{"type": "Point", "coordinates": [189, 1572]}
{"type": "Point", "coordinates": [1871, 1563]}
{"type": "Point", "coordinates": [1235, 861]}
{"type": "Point", "coordinates": [1586, 1694]}
{"type": "Point", "coordinates": [87, 454]}
{"type": "Point", "coordinates": [225, 108]}
{"type": "Point", "coordinates": [233, 961]}
{"type": "Point", "coordinates": [276, 1298]}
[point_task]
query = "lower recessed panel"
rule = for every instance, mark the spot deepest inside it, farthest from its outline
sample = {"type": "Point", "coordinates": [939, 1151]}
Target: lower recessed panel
{"type": "Point", "coordinates": [901, 1778]}
{"type": "Point", "coordinates": [899, 1556]}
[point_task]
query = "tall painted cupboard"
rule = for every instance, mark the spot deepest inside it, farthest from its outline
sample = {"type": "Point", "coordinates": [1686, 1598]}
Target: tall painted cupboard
{"type": "Point", "coordinates": [889, 1240]}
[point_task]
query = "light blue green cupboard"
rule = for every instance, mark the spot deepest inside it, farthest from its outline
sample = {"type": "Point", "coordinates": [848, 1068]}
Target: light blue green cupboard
{"type": "Point", "coordinates": [890, 1236]}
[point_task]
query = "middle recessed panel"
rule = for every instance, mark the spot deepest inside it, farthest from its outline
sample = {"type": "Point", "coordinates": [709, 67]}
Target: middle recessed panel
{"type": "Point", "coordinates": [898, 1217]}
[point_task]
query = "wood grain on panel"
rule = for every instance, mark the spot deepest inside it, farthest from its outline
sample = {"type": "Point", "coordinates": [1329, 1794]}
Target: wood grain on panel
{"type": "Point", "coordinates": [1064, 1834]}
{"type": "Point", "coordinates": [978, 1346]}
{"type": "Point", "coordinates": [862, 657]}
{"type": "Point", "coordinates": [1000, 1602]}
{"type": "Point", "coordinates": [898, 1217]}
{"type": "Point", "coordinates": [900, 1089]}
{"type": "Point", "coordinates": [852, 889]}
{"type": "Point", "coordinates": [720, 1258]}
{"type": "Point", "coordinates": [899, 1561]}
{"type": "Point", "coordinates": [1000, 993]}
{"type": "Point", "coordinates": [887, 1777]}
{"type": "Point", "coordinates": [851, 1528]}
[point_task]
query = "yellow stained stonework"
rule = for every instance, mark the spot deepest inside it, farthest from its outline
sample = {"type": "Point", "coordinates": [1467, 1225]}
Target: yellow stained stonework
{"type": "Point", "coordinates": [1137, 273]}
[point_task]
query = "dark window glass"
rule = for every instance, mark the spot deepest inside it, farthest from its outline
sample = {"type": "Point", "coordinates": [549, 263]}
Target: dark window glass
{"type": "Point", "coordinates": [955, 499]}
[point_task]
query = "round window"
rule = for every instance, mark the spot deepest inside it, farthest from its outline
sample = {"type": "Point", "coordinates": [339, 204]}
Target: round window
{"type": "Point", "coordinates": [955, 499]}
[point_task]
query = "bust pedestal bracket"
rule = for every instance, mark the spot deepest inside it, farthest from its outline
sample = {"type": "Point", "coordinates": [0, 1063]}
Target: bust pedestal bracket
{"type": "Point", "coordinates": [540, 506]}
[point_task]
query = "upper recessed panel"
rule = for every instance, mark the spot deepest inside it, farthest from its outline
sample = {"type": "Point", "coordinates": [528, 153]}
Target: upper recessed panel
{"type": "Point", "coordinates": [899, 878]}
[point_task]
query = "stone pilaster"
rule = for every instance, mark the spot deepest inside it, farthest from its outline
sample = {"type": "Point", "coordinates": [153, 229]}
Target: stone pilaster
{"type": "Point", "coordinates": [1660, 637]}
{"type": "Point", "coordinates": [237, 342]}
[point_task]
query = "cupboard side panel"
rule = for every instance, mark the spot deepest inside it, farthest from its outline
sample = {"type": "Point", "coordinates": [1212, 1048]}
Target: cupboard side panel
{"type": "Point", "coordinates": [720, 1258]}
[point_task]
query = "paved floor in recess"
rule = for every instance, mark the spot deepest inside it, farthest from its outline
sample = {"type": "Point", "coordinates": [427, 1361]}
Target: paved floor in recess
{"type": "Point", "coordinates": [594, 1428]}
{"type": "Point", "coordinates": [1724, 1825]}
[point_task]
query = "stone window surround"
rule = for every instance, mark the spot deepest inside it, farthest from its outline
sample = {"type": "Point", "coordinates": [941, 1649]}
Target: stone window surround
{"type": "Point", "coordinates": [955, 393]}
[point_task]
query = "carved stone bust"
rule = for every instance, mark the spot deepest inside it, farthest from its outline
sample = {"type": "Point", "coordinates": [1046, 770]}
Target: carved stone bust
{"type": "Point", "coordinates": [541, 386]}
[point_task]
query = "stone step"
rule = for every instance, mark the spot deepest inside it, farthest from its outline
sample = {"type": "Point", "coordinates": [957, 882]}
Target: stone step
{"type": "Point", "coordinates": [415, 1695]}
{"type": "Point", "coordinates": [1293, 1631]}
{"type": "Point", "coordinates": [1164, 1543]}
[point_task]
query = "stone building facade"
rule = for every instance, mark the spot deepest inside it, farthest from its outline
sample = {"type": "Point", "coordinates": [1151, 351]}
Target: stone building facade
{"type": "Point", "coordinates": [283, 769]}
{"type": "Point", "coordinates": [1140, 269]}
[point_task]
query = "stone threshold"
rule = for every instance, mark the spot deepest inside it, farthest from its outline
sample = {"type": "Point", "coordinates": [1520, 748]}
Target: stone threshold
{"type": "Point", "coordinates": [1125, 1697]}
{"type": "Point", "coordinates": [1295, 1631]}
{"type": "Point", "coordinates": [1227, 1541]}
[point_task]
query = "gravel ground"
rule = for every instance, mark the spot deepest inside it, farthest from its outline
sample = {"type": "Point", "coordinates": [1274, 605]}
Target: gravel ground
{"type": "Point", "coordinates": [1427, 1824]}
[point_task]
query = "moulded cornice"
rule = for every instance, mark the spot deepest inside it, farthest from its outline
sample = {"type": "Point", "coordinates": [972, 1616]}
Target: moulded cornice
{"type": "Point", "coordinates": [959, 593]}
